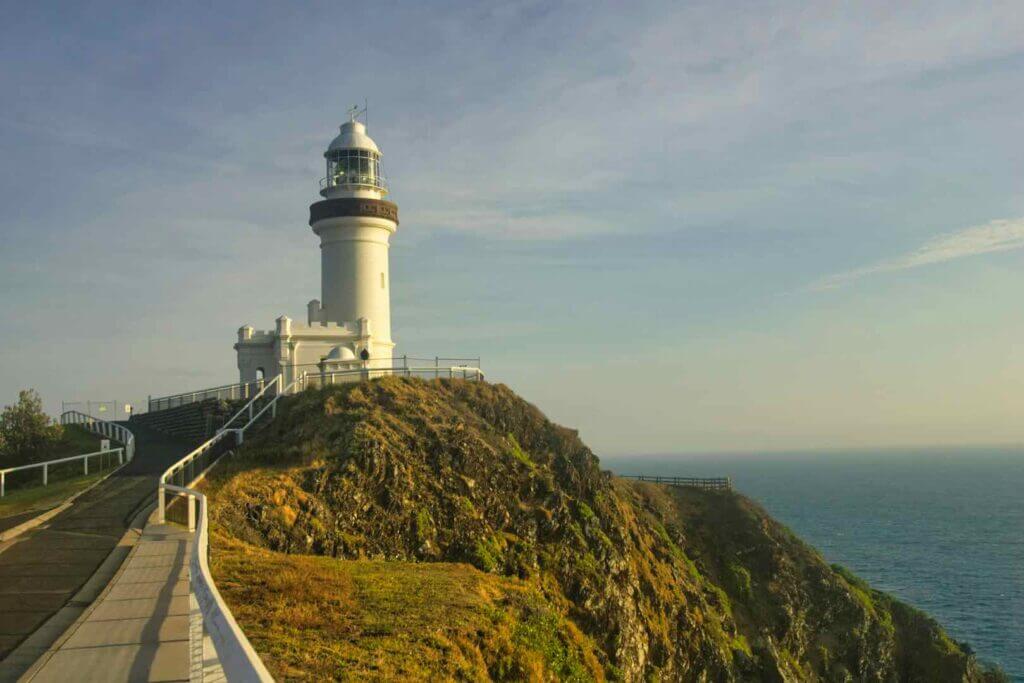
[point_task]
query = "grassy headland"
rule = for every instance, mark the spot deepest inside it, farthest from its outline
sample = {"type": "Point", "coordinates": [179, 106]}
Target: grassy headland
{"type": "Point", "coordinates": [447, 529]}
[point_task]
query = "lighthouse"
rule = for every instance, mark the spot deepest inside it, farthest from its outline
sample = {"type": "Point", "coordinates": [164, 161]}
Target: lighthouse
{"type": "Point", "coordinates": [349, 326]}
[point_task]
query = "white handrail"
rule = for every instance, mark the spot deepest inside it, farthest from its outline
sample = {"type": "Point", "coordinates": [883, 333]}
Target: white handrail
{"type": "Point", "coordinates": [111, 430]}
{"type": "Point", "coordinates": [226, 431]}
{"type": "Point", "coordinates": [276, 382]}
{"type": "Point", "coordinates": [235, 654]}
{"type": "Point", "coordinates": [46, 465]}
{"type": "Point", "coordinates": [271, 405]}
{"type": "Point", "coordinates": [237, 657]}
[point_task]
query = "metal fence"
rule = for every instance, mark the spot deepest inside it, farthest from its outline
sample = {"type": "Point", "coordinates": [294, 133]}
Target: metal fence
{"type": "Point", "coordinates": [227, 392]}
{"type": "Point", "coordinates": [706, 483]}
{"type": "Point", "coordinates": [100, 410]}
{"type": "Point", "coordinates": [111, 430]}
{"type": "Point", "coordinates": [406, 366]}
{"type": "Point", "coordinates": [321, 379]}
{"type": "Point", "coordinates": [101, 460]}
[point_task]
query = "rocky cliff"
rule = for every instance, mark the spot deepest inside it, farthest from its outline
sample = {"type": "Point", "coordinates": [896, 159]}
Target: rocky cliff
{"type": "Point", "coordinates": [627, 581]}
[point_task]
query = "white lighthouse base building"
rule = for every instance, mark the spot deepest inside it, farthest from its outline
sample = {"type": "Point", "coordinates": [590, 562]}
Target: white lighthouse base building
{"type": "Point", "coordinates": [291, 349]}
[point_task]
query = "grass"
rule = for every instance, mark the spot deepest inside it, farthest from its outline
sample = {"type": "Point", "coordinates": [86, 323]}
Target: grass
{"type": "Point", "coordinates": [44, 497]}
{"type": "Point", "coordinates": [518, 453]}
{"type": "Point", "coordinates": [322, 619]}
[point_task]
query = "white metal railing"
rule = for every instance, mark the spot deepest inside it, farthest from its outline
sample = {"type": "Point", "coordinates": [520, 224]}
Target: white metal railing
{"type": "Point", "coordinates": [236, 656]}
{"type": "Point", "coordinates": [400, 365]}
{"type": "Point", "coordinates": [378, 182]}
{"type": "Point", "coordinates": [273, 387]}
{"type": "Point", "coordinates": [186, 470]}
{"type": "Point", "coordinates": [111, 430]}
{"type": "Point", "coordinates": [359, 374]}
{"type": "Point", "coordinates": [228, 392]}
{"type": "Point", "coordinates": [49, 463]}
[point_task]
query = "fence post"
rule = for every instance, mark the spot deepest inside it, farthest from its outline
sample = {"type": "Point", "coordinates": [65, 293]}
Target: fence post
{"type": "Point", "coordinates": [120, 456]}
{"type": "Point", "coordinates": [45, 474]}
{"type": "Point", "coordinates": [191, 513]}
{"type": "Point", "coordinates": [160, 503]}
{"type": "Point", "coordinates": [3, 483]}
{"type": "Point", "coordinates": [85, 461]}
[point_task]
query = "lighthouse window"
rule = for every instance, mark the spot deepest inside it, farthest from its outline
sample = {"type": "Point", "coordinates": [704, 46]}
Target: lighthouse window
{"type": "Point", "coordinates": [382, 280]}
{"type": "Point", "coordinates": [354, 167]}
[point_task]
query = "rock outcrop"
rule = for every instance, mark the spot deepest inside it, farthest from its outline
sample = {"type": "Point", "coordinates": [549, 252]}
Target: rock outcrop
{"type": "Point", "coordinates": [661, 584]}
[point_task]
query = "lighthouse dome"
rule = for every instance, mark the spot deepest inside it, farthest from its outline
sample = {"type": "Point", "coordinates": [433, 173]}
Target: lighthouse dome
{"type": "Point", "coordinates": [352, 136]}
{"type": "Point", "coordinates": [341, 353]}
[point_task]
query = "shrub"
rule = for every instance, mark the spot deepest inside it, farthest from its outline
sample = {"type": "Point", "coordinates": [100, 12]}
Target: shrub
{"type": "Point", "coordinates": [741, 580]}
{"type": "Point", "coordinates": [26, 432]}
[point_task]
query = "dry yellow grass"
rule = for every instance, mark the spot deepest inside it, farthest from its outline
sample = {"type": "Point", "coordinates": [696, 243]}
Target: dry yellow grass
{"type": "Point", "coordinates": [319, 618]}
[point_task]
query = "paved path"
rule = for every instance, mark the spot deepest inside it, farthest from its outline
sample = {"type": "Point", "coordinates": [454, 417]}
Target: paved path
{"type": "Point", "coordinates": [14, 520]}
{"type": "Point", "coordinates": [50, 567]}
{"type": "Point", "coordinates": [138, 630]}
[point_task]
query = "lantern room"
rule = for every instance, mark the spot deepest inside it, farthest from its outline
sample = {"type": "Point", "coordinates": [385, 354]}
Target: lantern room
{"type": "Point", "coordinates": [353, 163]}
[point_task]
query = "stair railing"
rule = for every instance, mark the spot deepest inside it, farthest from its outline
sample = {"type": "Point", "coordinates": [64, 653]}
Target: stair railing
{"type": "Point", "coordinates": [249, 408]}
{"type": "Point", "coordinates": [193, 466]}
{"type": "Point", "coordinates": [235, 653]}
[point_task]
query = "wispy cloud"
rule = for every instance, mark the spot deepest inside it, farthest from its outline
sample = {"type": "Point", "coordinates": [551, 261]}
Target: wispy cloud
{"type": "Point", "coordinates": [1003, 234]}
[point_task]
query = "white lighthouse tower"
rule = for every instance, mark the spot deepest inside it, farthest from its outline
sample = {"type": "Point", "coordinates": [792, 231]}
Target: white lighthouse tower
{"type": "Point", "coordinates": [349, 327]}
{"type": "Point", "coordinates": [355, 225]}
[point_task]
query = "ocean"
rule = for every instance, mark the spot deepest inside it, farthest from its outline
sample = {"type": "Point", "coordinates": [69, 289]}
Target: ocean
{"type": "Point", "coordinates": [941, 529]}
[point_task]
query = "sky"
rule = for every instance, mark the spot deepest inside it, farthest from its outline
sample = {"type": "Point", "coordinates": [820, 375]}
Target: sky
{"type": "Point", "coordinates": [677, 227]}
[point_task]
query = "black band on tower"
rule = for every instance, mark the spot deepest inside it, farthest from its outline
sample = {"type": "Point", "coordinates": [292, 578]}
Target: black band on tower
{"type": "Point", "coordinates": [333, 208]}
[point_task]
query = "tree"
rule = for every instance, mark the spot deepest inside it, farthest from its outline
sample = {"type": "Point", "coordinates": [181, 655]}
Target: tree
{"type": "Point", "coordinates": [26, 432]}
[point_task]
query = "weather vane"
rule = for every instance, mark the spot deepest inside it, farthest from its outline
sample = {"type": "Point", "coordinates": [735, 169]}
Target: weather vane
{"type": "Point", "coordinates": [355, 112]}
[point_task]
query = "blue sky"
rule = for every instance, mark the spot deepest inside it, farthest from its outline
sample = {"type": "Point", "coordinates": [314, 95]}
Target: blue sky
{"type": "Point", "coordinates": [676, 227]}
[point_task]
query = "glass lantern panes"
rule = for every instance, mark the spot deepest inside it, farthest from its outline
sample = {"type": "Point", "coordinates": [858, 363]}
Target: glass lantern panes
{"type": "Point", "coordinates": [355, 167]}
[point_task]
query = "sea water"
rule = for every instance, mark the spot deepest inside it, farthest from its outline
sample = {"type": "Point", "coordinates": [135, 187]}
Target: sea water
{"type": "Point", "coordinates": [941, 529]}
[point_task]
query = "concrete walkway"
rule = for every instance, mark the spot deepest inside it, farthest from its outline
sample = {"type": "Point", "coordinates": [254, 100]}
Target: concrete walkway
{"type": "Point", "coordinates": [49, 575]}
{"type": "Point", "coordinates": [138, 629]}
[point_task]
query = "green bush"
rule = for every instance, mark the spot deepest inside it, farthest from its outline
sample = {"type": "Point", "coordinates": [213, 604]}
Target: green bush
{"type": "Point", "coordinates": [26, 432]}
{"type": "Point", "coordinates": [741, 580]}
